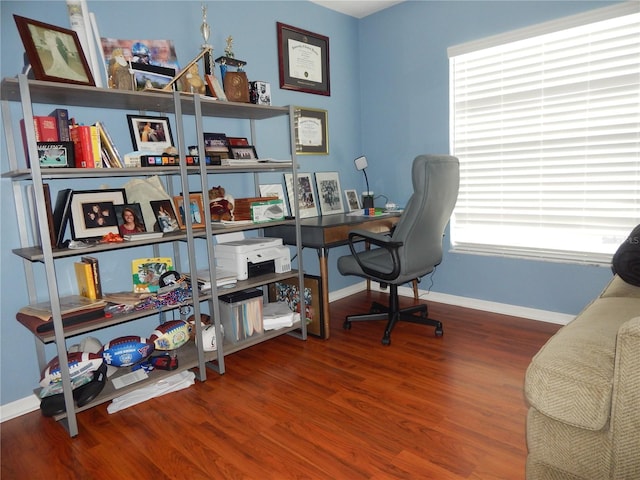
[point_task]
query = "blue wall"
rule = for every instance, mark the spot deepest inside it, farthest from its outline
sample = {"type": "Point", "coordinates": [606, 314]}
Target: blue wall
{"type": "Point", "coordinates": [389, 100]}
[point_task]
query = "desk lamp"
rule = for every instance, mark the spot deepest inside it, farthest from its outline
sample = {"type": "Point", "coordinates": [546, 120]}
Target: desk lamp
{"type": "Point", "coordinates": [367, 197]}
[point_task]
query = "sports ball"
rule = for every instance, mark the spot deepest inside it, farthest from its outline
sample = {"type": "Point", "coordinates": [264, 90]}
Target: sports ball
{"type": "Point", "coordinates": [80, 363]}
{"type": "Point", "coordinates": [170, 335]}
{"type": "Point", "coordinates": [125, 351]}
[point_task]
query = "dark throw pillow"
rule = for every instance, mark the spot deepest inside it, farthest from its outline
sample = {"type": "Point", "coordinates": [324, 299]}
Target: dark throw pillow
{"type": "Point", "coordinates": [626, 260]}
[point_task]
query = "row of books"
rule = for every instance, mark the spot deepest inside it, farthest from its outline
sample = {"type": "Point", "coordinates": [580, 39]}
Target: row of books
{"type": "Point", "coordinates": [74, 146]}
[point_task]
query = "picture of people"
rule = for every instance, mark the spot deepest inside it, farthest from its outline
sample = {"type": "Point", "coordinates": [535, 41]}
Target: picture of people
{"type": "Point", "coordinates": [54, 53]}
{"type": "Point", "coordinates": [165, 216]}
{"type": "Point", "coordinates": [304, 192]}
{"type": "Point", "coordinates": [150, 134]}
{"type": "Point", "coordinates": [352, 200]}
{"type": "Point", "coordinates": [97, 215]}
{"type": "Point", "coordinates": [195, 210]}
{"type": "Point", "coordinates": [129, 219]}
{"type": "Point", "coordinates": [328, 184]}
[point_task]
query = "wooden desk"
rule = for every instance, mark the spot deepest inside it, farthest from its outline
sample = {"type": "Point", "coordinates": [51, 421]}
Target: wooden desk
{"type": "Point", "coordinates": [328, 231]}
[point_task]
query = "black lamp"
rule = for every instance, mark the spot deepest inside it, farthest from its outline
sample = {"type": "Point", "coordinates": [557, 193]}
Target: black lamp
{"type": "Point", "coordinates": [367, 197]}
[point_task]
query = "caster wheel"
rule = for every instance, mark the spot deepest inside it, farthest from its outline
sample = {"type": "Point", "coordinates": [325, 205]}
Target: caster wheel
{"type": "Point", "coordinates": [386, 341]}
{"type": "Point", "coordinates": [439, 332]}
{"type": "Point", "coordinates": [346, 325]}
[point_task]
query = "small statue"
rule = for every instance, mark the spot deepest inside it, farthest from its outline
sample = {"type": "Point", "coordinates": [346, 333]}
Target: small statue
{"type": "Point", "coordinates": [228, 50]}
{"type": "Point", "coordinates": [120, 75]}
{"type": "Point", "coordinates": [193, 82]}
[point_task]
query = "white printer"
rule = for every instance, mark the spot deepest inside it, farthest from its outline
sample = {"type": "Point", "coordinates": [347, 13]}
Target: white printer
{"type": "Point", "coordinates": [251, 257]}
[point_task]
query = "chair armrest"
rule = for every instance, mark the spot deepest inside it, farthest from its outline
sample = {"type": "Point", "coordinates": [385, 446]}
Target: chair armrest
{"type": "Point", "coordinates": [379, 240]}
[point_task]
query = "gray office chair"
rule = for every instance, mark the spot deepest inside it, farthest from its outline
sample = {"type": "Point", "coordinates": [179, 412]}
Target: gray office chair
{"type": "Point", "coordinates": [413, 249]}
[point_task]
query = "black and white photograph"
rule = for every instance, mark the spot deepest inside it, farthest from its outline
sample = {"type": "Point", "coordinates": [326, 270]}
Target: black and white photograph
{"type": "Point", "coordinates": [353, 201]}
{"type": "Point", "coordinates": [329, 193]}
{"type": "Point", "coordinates": [305, 194]}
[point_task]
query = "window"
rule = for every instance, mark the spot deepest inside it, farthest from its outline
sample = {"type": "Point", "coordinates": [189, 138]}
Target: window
{"type": "Point", "coordinates": [546, 124]}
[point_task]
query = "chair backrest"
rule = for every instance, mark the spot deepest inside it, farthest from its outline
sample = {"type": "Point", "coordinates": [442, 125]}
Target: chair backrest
{"type": "Point", "coordinates": [436, 179]}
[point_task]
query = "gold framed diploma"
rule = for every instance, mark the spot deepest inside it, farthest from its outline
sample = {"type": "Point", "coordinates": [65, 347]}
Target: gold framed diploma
{"type": "Point", "coordinates": [303, 60]}
{"type": "Point", "coordinates": [311, 131]}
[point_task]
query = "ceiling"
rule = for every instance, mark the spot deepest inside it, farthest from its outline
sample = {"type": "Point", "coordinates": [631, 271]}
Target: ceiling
{"type": "Point", "coordinates": [357, 8]}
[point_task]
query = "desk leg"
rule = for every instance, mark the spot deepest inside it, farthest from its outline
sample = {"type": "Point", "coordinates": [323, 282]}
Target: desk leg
{"type": "Point", "coordinates": [323, 254]}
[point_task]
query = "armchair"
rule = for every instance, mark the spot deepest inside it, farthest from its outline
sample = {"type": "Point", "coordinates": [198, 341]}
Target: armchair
{"type": "Point", "coordinates": [414, 248]}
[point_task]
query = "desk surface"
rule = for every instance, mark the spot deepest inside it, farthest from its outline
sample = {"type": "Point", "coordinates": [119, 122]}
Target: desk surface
{"type": "Point", "coordinates": [331, 230]}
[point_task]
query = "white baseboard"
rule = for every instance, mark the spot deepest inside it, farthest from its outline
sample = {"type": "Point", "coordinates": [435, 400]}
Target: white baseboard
{"type": "Point", "coordinates": [32, 403]}
{"type": "Point", "coordinates": [494, 307]}
{"type": "Point", "coordinates": [19, 407]}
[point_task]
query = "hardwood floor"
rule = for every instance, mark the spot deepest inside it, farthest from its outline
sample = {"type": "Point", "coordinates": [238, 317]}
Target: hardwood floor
{"type": "Point", "coordinates": [347, 408]}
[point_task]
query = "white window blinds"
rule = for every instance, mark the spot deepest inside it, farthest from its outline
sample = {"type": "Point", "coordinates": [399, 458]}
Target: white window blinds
{"type": "Point", "coordinates": [547, 130]}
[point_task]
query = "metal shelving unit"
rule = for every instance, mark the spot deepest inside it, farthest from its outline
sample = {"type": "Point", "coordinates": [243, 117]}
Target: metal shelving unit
{"type": "Point", "coordinates": [39, 250]}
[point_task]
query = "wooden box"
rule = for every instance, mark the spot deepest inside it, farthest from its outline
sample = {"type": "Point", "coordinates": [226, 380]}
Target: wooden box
{"type": "Point", "coordinates": [242, 206]}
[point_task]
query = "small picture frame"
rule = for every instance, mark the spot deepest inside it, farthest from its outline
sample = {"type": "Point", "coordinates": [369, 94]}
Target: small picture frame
{"type": "Point", "coordinates": [151, 77]}
{"type": "Point", "coordinates": [166, 219]}
{"type": "Point", "coordinates": [353, 201]}
{"type": "Point", "coordinates": [149, 133]}
{"type": "Point", "coordinates": [129, 218]}
{"type": "Point", "coordinates": [288, 291]}
{"type": "Point", "coordinates": [329, 193]}
{"type": "Point", "coordinates": [274, 190]}
{"type": "Point", "coordinates": [305, 193]}
{"type": "Point", "coordinates": [216, 145]}
{"type": "Point", "coordinates": [55, 53]}
{"type": "Point", "coordinates": [311, 131]}
{"type": "Point", "coordinates": [93, 214]}
{"type": "Point", "coordinates": [243, 152]}
{"type": "Point", "coordinates": [196, 211]}
{"type": "Point", "coordinates": [56, 154]}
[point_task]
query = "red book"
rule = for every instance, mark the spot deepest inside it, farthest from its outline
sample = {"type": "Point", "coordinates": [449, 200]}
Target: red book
{"type": "Point", "coordinates": [45, 128]}
{"type": "Point", "coordinates": [83, 146]}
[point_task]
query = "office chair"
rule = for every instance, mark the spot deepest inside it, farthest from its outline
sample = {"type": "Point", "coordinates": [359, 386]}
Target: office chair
{"type": "Point", "coordinates": [413, 249]}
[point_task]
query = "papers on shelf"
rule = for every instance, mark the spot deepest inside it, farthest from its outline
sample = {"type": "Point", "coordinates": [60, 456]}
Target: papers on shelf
{"type": "Point", "coordinates": [278, 315]}
{"type": "Point", "coordinates": [223, 277]}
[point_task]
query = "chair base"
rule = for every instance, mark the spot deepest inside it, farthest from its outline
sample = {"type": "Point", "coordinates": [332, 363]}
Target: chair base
{"type": "Point", "coordinates": [393, 314]}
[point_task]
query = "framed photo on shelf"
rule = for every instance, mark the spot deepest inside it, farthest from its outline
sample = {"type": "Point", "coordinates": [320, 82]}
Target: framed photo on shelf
{"type": "Point", "coordinates": [353, 201]}
{"type": "Point", "coordinates": [303, 60]}
{"type": "Point", "coordinates": [216, 145]}
{"type": "Point", "coordinates": [148, 76]}
{"type": "Point", "coordinates": [288, 291]}
{"type": "Point", "coordinates": [243, 152]}
{"type": "Point", "coordinates": [329, 192]}
{"type": "Point", "coordinates": [55, 53]}
{"type": "Point", "coordinates": [311, 131]}
{"type": "Point", "coordinates": [129, 218]}
{"type": "Point", "coordinates": [304, 192]}
{"type": "Point", "coordinates": [150, 134]}
{"type": "Point", "coordinates": [93, 214]}
{"type": "Point", "coordinates": [196, 210]}
{"type": "Point", "coordinates": [274, 190]}
{"type": "Point", "coordinates": [166, 220]}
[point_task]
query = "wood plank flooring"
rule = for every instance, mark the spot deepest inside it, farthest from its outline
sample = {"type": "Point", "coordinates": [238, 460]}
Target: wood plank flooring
{"type": "Point", "coordinates": [347, 408]}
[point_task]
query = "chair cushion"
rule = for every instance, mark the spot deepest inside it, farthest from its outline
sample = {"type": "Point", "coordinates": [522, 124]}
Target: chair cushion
{"type": "Point", "coordinates": [571, 378]}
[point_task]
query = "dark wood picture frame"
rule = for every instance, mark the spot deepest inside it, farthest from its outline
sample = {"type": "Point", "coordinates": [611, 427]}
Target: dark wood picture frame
{"type": "Point", "coordinates": [307, 70]}
{"type": "Point", "coordinates": [55, 53]}
{"type": "Point", "coordinates": [288, 291]}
